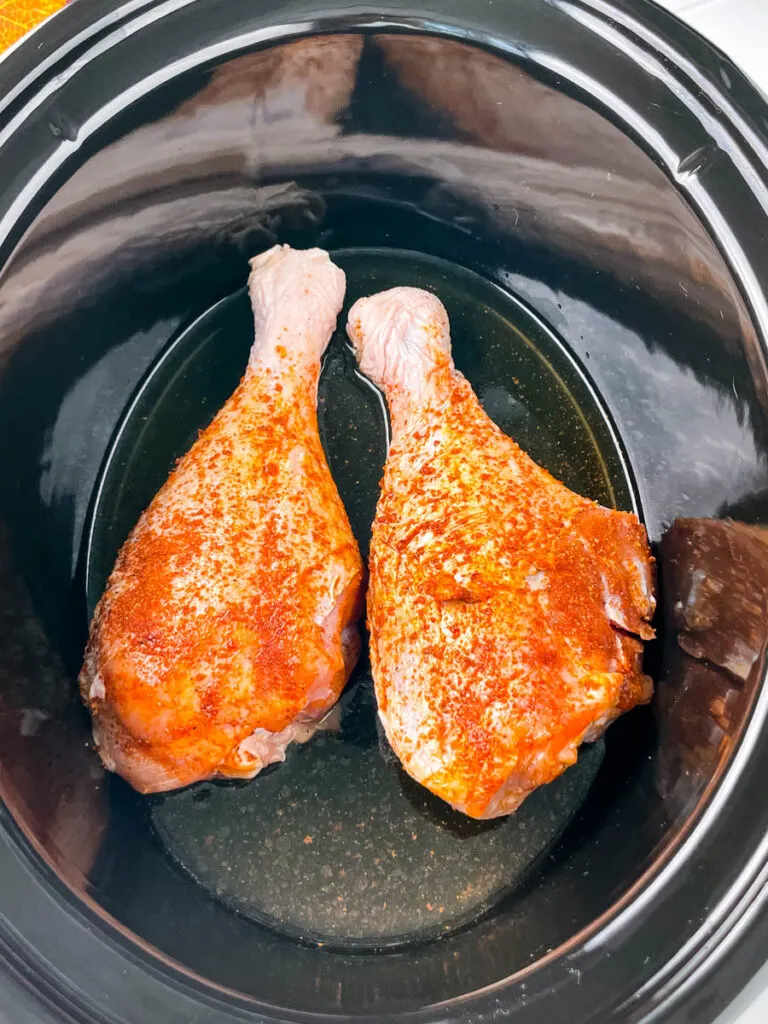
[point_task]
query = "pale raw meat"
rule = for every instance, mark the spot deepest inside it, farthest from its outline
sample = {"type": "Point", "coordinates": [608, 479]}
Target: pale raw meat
{"type": "Point", "coordinates": [227, 628]}
{"type": "Point", "coordinates": [505, 610]}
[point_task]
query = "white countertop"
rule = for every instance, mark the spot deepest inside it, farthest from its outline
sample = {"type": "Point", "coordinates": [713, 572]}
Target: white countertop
{"type": "Point", "coordinates": [740, 29]}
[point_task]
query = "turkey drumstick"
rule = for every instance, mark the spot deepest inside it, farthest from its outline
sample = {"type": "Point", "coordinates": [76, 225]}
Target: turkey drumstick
{"type": "Point", "coordinates": [506, 612]}
{"type": "Point", "coordinates": [227, 628]}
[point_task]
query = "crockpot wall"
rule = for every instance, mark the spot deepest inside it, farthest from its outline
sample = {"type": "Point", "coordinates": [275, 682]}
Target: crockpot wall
{"type": "Point", "coordinates": [545, 147]}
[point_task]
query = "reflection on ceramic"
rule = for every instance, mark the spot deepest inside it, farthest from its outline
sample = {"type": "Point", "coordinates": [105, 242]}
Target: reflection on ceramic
{"type": "Point", "coordinates": [687, 429]}
{"type": "Point", "coordinates": [41, 734]}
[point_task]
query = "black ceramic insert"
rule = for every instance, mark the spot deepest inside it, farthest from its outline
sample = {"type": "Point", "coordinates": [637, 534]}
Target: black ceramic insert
{"type": "Point", "coordinates": [338, 847]}
{"type": "Point", "coordinates": [590, 181]}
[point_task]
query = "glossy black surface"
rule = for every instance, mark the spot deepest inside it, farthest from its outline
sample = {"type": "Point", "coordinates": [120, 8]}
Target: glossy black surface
{"type": "Point", "coordinates": [571, 155]}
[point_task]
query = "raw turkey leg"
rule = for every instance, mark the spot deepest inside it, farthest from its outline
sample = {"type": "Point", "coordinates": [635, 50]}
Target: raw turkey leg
{"type": "Point", "coordinates": [227, 628]}
{"type": "Point", "coordinates": [504, 609]}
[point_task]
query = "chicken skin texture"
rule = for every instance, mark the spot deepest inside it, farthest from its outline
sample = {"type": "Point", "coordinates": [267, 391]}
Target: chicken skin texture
{"type": "Point", "coordinates": [506, 612]}
{"type": "Point", "coordinates": [227, 628]}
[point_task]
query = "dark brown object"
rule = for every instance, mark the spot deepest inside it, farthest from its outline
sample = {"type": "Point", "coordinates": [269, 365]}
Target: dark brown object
{"type": "Point", "coordinates": [715, 583]}
{"type": "Point", "coordinates": [716, 592]}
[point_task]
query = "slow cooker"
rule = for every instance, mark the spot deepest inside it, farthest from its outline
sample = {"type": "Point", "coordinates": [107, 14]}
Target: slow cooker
{"type": "Point", "coordinates": [585, 183]}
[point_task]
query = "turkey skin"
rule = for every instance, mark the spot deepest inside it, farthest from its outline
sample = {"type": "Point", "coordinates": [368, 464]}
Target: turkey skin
{"type": "Point", "coordinates": [228, 626]}
{"type": "Point", "coordinates": [506, 613]}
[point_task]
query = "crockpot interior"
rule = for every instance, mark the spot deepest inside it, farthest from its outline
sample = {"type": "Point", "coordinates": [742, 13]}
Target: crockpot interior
{"type": "Point", "coordinates": [406, 141]}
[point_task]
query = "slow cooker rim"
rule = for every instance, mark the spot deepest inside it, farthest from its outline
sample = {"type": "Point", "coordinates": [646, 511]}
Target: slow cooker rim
{"type": "Point", "coordinates": [722, 787]}
{"type": "Point", "coordinates": [78, 25]}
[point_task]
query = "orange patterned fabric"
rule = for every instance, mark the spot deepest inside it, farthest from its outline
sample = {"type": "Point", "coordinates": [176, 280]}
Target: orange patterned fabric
{"type": "Point", "coordinates": [19, 16]}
